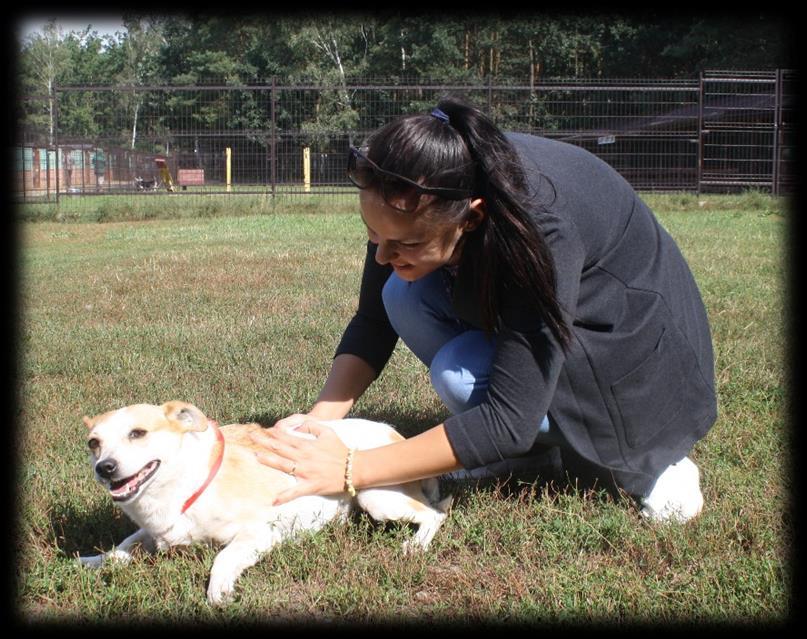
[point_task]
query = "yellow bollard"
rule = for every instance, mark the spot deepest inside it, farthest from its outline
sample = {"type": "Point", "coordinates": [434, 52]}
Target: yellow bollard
{"type": "Point", "coordinates": [307, 169]}
{"type": "Point", "coordinates": [229, 153]}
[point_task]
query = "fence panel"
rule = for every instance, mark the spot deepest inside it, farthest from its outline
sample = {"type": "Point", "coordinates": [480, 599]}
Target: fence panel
{"type": "Point", "coordinates": [739, 129]}
{"type": "Point", "coordinates": [722, 131]}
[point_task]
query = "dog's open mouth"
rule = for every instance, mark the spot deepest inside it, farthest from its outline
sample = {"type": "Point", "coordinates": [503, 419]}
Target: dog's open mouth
{"type": "Point", "coordinates": [127, 488]}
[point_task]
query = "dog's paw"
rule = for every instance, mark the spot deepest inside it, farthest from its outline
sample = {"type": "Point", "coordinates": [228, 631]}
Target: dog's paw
{"type": "Point", "coordinates": [412, 547]}
{"type": "Point", "coordinates": [94, 562]}
{"type": "Point", "coordinates": [220, 592]}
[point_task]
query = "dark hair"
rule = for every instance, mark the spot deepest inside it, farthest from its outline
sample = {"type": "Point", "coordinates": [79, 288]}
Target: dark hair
{"type": "Point", "coordinates": [471, 152]}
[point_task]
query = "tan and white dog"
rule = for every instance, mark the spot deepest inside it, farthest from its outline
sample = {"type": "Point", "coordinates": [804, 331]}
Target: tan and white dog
{"type": "Point", "coordinates": [183, 479]}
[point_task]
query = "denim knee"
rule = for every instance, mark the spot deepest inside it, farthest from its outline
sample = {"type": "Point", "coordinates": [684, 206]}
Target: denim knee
{"type": "Point", "coordinates": [421, 314]}
{"type": "Point", "coordinates": [460, 375]}
{"type": "Point", "coordinates": [459, 371]}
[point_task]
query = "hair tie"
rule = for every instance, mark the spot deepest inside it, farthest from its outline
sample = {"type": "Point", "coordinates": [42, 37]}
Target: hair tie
{"type": "Point", "coordinates": [440, 115]}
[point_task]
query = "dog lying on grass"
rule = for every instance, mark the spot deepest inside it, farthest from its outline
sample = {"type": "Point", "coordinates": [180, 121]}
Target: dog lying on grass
{"type": "Point", "coordinates": [183, 479]}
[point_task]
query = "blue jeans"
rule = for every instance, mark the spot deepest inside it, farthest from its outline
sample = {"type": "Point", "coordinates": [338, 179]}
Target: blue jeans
{"type": "Point", "coordinates": [458, 356]}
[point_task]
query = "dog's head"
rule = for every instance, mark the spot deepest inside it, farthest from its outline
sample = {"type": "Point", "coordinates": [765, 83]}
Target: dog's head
{"type": "Point", "coordinates": [129, 446]}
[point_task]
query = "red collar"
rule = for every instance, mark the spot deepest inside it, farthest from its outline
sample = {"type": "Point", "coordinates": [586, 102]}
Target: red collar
{"type": "Point", "coordinates": [217, 455]}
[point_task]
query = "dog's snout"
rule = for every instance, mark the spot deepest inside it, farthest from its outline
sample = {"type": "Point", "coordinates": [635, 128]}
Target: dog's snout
{"type": "Point", "coordinates": [106, 468]}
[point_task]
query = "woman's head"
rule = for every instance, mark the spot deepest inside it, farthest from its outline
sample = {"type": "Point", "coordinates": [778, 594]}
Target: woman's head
{"type": "Point", "coordinates": [413, 244]}
{"type": "Point", "coordinates": [419, 228]}
{"type": "Point", "coordinates": [417, 193]}
{"type": "Point", "coordinates": [428, 151]}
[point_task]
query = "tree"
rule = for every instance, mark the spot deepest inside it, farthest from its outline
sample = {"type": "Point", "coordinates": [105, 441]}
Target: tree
{"type": "Point", "coordinates": [46, 59]}
{"type": "Point", "coordinates": [140, 46]}
{"type": "Point", "coordinates": [756, 41]}
{"type": "Point", "coordinates": [333, 49]}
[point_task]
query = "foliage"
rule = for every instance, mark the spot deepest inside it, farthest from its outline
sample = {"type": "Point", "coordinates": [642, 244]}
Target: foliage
{"type": "Point", "coordinates": [293, 47]}
{"type": "Point", "coordinates": [336, 50]}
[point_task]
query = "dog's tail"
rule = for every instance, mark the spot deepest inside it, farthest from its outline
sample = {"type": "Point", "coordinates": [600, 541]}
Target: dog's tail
{"type": "Point", "coordinates": [431, 489]}
{"type": "Point", "coordinates": [445, 504]}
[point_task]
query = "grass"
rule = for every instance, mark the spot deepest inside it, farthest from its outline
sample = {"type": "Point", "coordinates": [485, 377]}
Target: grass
{"type": "Point", "coordinates": [191, 204]}
{"type": "Point", "coordinates": [240, 315]}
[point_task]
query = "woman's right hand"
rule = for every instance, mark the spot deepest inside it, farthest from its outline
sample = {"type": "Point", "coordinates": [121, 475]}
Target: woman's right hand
{"type": "Point", "coordinates": [292, 421]}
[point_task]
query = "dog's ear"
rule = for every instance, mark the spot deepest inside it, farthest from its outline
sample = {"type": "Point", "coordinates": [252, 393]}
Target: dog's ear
{"type": "Point", "coordinates": [185, 416]}
{"type": "Point", "coordinates": [87, 422]}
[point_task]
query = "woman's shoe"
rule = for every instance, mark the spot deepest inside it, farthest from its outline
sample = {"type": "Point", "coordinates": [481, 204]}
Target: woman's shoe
{"type": "Point", "coordinates": [676, 495]}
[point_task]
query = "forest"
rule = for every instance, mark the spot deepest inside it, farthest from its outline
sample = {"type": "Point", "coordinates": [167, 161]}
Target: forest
{"type": "Point", "coordinates": [328, 48]}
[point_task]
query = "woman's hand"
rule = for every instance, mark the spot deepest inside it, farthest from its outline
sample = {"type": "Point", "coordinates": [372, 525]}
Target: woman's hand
{"type": "Point", "coordinates": [315, 457]}
{"type": "Point", "coordinates": [292, 421]}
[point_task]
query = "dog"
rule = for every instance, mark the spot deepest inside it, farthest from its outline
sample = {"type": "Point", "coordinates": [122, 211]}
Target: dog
{"type": "Point", "coordinates": [145, 185]}
{"type": "Point", "coordinates": [182, 479]}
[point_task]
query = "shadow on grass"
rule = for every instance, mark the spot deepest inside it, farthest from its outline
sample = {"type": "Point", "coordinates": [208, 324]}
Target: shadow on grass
{"type": "Point", "coordinates": [88, 530]}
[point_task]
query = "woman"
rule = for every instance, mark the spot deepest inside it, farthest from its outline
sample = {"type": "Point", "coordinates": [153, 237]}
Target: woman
{"type": "Point", "coordinates": [548, 303]}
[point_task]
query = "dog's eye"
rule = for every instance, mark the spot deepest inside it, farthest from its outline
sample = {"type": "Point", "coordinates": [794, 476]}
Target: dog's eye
{"type": "Point", "coordinates": [93, 444]}
{"type": "Point", "coordinates": [137, 433]}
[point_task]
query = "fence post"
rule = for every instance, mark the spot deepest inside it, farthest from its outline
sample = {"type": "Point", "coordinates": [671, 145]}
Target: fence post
{"type": "Point", "coordinates": [228, 153]}
{"type": "Point", "coordinates": [56, 137]}
{"type": "Point", "coordinates": [47, 173]}
{"type": "Point", "coordinates": [777, 118]}
{"type": "Point", "coordinates": [273, 159]}
{"type": "Point", "coordinates": [307, 169]}
{"type": "Point", "coordinates": [700, 132]}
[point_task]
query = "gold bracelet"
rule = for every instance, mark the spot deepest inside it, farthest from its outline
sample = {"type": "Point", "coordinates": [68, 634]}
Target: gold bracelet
{"type": "Point", "coordinates": [349, 473]}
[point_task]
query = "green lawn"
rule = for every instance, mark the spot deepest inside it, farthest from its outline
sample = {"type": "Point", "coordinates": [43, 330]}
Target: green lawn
{"type": "Point", "coordinates": [238, 307]}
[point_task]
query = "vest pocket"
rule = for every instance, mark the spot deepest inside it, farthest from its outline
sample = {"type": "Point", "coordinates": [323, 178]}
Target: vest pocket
{"type": "Point", "coordinates": [651, 395]}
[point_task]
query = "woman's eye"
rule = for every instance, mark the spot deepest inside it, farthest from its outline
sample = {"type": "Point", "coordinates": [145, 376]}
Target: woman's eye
{"type": "Point", "coordinates": [137, 433]}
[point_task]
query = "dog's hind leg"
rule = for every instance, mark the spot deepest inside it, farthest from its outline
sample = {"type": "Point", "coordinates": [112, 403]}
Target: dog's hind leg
{"type": "Point", "coordinates": [390, 504]}
{"type": "Point", "coordinates": [429, 524]}
{"type": "Point", "coordinates": [242, 552]}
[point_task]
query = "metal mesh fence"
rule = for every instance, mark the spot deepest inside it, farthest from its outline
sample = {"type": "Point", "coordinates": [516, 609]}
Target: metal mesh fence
{"type": "Point", "coordinates": [721, 131]}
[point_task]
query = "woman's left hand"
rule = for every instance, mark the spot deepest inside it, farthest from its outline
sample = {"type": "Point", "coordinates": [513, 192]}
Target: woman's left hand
{"type": "Point", "coordinates": [317, 463]}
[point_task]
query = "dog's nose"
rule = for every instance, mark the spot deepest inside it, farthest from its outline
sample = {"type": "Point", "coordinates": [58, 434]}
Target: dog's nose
{"type": "Point", "coordinates": [106, 468]}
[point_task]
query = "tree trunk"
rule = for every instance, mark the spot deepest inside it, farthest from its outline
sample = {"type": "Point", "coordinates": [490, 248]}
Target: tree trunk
{"type": "Point", "coordinates": [134, 124]}
{"type": "Point", "coordinates": [51, 124]}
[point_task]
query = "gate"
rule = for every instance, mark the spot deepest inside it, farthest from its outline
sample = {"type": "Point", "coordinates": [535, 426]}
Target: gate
{"type": "Point", "coordinates": [746, 130]}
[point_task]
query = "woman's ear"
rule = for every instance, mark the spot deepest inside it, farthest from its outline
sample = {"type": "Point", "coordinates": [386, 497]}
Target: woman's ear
{"type": "Point", "coordinates": [476, 215]}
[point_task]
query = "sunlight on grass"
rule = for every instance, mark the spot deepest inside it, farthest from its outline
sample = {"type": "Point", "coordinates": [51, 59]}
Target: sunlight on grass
{"type": "Point", "coordinates": [239, 313]}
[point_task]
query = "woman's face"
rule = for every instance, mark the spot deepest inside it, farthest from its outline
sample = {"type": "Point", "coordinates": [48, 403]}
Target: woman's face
{"type": "Point", "coordinates": [409, 242]}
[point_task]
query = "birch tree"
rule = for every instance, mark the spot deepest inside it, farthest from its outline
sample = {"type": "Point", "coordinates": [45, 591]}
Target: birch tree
{"type": "Point", "coordinates": [45, 61]}
{"type": "Point", "coordinates": [333, 47]}
{"type": "Point", "coordinates": [141, 46]}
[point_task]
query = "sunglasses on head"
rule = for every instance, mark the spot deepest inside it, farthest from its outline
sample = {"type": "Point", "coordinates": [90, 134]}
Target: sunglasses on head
{"type": "Point", "coordinates": [399, 192]}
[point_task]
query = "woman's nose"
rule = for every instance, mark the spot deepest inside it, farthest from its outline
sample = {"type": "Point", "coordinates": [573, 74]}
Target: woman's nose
{"type": "Point", "coordinates": [383, 254]}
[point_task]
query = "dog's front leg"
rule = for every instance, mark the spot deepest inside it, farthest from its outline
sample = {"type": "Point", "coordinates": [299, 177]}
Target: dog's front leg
{"type": "Point", "coordinates": [121, 551]}
{"type": "Point", "coordinates": [242, 552]}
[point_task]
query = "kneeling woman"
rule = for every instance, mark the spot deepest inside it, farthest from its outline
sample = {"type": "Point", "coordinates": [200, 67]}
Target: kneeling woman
{"type": "Point", "coordinates": [550, 306]}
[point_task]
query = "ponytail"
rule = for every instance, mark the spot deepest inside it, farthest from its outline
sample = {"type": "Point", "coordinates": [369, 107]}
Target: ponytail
{"type": "Point", "coordinates": [459, 147]}
{"type": "Point", "coordinates": [513, 250]}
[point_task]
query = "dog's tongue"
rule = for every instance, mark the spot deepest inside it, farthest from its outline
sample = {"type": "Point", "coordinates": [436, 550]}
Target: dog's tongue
{"type": "Point", "coordinates": [119, 489]}
{"type": "Point", "coordinates": [129, 485]}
